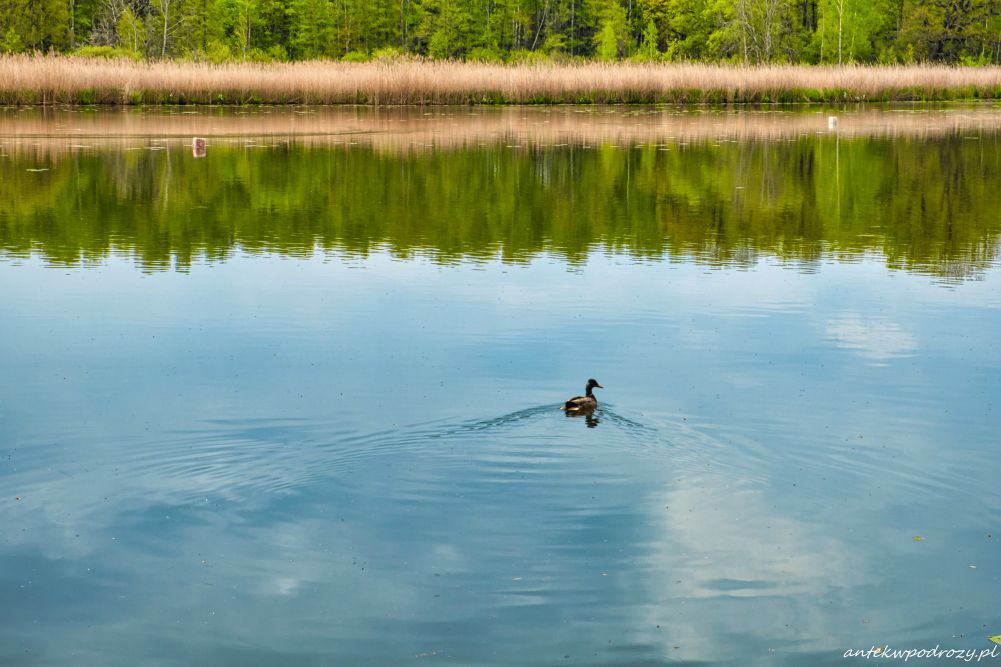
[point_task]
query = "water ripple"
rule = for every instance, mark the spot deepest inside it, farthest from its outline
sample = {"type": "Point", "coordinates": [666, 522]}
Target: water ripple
{"type": "Point", "coordinates": [233, 458]}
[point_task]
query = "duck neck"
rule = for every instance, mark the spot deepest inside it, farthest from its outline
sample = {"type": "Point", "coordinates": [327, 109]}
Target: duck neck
{"type": "Point", "coordinates": [590, 391]}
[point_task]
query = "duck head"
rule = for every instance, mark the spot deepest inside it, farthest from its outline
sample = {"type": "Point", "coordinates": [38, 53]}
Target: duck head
{"type": "Point", "coordinates": [592, 383]}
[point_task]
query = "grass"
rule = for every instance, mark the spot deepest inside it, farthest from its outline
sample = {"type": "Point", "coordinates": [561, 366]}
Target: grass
{"type": "Point", "coordinates": [67, 80]}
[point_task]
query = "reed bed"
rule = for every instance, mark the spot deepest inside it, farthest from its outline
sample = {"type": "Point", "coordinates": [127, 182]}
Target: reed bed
{"type": "Point", "coordinates": [69, 80]}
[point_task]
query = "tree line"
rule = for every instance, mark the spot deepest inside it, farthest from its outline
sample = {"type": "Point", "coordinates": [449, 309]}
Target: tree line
{"type": "Point", "coordinates": [739, 31]}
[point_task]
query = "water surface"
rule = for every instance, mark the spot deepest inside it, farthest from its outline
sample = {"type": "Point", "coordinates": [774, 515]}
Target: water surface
{"type": "Point", "coordinates": [296, 401]}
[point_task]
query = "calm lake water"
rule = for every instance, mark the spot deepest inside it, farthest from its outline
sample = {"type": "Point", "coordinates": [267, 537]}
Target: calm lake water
{"type": "Point", "coordinates": [296, 402]}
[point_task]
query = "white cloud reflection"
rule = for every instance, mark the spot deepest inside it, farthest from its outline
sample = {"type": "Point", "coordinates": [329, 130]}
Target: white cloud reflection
{"type": "Point", "coordinates": [874, 338]}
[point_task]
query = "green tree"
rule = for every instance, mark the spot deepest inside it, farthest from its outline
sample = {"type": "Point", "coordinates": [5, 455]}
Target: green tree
{"type": "Point", "coordinates": [367, 25]}
{"type": "Point", "coordinates": [243, 20]}
{"type": "Point", "coordinates": [766, 30]}
{"type": "Point", "coordinates": [312, 28]}
{"type": "Point", "coordinates": [11, 42]}
{"type": "Point", "coordinates": [165, 20]}
{"type": "Point", "coordinates": [131, 32]}
{"type": "Point", "coordinates": [613, 40]}
{"type": "Point", "coordinates": [577, 22]}
{"type": "Point", "coordinates": [846, 28]}
{"type": "Point", "coordinates": [39, 24]}
{"type": "Point", "coordinates": [684, 27]}
{"type": "Point", "coordinates": [81, 17]}
{"type": "Point", "coordinates": [274, 26]}
{"type": "Point", "coordinates": [202, 25]}
{"type": "Point", "coordinates": [945, 30]}
{"type": "Point", "coordinates": [446, 26]}
{"type": "Point", "coordinates": [650, 49]}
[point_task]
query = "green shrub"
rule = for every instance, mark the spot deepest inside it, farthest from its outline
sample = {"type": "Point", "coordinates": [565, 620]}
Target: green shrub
{"type": "Point", "coordinates": [218, 52]}
{"type": "Point", "coordinates": [529, 58]}
{"type": "Point", "coordinates": [11, 42]}
{"type": "Point", "coordinates": [106, 52]}
{"type": "Point", "coordinates": [483, 54]}
{"type": "Point", "coordinates": [388, 54]}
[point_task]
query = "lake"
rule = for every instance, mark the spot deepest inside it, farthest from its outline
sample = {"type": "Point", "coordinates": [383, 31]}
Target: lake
{"type": "Point", "coordinates": [291, 395]}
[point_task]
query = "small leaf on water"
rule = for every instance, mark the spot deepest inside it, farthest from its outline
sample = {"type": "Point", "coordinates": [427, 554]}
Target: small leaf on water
{"type": "Point", "coordinates": [996, 639]}
{"type": "Point", "coordinates": [918, 538]}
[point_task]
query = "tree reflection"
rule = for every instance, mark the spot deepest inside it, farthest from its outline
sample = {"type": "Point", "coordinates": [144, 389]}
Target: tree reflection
{"type": "Point", "coordinates": [924, 204]}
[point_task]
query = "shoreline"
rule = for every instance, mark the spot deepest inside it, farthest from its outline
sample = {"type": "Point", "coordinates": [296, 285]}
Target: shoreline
{"type": "Point", "coordinates": [67, 80]}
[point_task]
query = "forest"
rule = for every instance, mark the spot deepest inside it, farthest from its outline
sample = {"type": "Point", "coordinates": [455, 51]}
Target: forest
{"type": "Point", "coordinates": [962, 32]}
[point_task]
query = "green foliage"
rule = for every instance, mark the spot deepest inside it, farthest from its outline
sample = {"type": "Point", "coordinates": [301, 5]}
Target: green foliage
{"type": "Point", "coordinates": [131, 32]}
{"type": "Point", "coordinates": [217, 52]}
{"type": "Point", "coordinates": [846, 30]}
{"type": "Point", "coordinates": [39, 25]}
{"type": "Point", "coordinates": [82, 15]}
{"type": "Point", "coordinates": [685, 27]}
{"type": "Point", "coordinates": [649, 49]}
{"type": "Point", "coordinates": [613, 40]}
{"type": "Point", "coordinates": [446, 26]}
{"type": "Point", "coordinates": [555, 44]}
{"type": "Point", "coordinates": [312, 28]}
{"type": "Point", "coordinates": [105, 51]}
{"type": "Point", "coordinates": [202, 26]}
{"type": "Point", "coordinates": [752, 31]}
{"type": "Point", "coordinates": [483, 54]}
{"type": "Point", "coordinates": [11, 42]}
{"type": "Point", "coordinates": [949, 30]}
{"type": "Point", "coordinates": [529, 57]}
{"type": "Point", "coordinates": [388, 54]}
{"type": "Point", "coordinates": [606, 43]}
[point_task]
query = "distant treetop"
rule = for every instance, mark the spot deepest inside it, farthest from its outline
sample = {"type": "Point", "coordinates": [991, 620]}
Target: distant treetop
{"type": "Point", "coordinates": [738, 31]}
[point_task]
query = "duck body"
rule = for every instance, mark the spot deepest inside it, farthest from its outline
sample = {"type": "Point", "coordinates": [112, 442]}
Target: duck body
{"type": "Point", "coordinates": [584, 403]}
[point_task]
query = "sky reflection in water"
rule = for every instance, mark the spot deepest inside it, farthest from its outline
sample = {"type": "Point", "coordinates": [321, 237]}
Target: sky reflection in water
{"type": "Point", "coordinates": [334, 457]}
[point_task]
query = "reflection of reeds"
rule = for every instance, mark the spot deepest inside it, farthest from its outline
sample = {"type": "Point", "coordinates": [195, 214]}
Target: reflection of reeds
{"type": "Point", "coordinates": [406, 129]}
{"type": "Point", "coordinates": [59, 79]}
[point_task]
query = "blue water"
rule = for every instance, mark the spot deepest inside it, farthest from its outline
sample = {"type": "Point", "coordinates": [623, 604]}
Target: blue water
{"type": "Point", "coordinates": [341, 459]}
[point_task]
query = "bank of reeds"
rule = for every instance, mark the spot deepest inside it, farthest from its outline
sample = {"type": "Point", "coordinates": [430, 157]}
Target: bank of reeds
{"type": "Point", "coordinates": [68, 80]}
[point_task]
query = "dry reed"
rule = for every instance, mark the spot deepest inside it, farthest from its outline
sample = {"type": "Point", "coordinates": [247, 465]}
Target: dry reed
{"type": "Point", "coordinates": [68, 80]}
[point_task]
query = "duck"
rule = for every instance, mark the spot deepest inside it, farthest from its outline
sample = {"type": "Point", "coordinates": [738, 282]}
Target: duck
{"type": "Point", "coordinates": [584, 403]}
